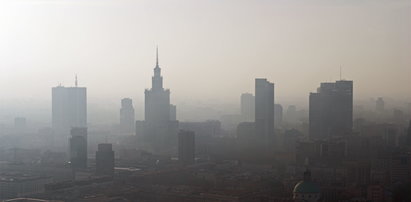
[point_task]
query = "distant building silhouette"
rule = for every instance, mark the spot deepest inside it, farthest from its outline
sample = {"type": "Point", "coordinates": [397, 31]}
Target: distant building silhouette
{"type": "Point", "coordinates": [247, 106]}
{"type": "Point", "coordinates": [291, 114]}
{"type": "Point", "coordinates": [264, 110]}
{"type": "Point", "coordinates": [205, 133]}
{"type": "Point", "coordinates": [186, 147]}
{"type": "Point", "coordinates": [331, 110]}
{"type": "Point", "coordinates": [157, 99]}
{"type": "Point", "coordinates": [105, 160]}
{"type": "Point", "coordinates": [127, 116]}
{"type": "Point", "coordinates": [246, 133]}
{"type": "Point", "coordinates": [173, 113]}
{"type": "Point", "coordinates": [399, 117]}
{"type": "Point", "coordinates": [379, 105]}
{"type": "Point", "coordinates": [69, 108]}
{"type": "Point", "coordinates": [78, 148]}
{"type": "Point", "coordinates": [160, 126]}
{"type": "Point", "coordinates": [278, 115]}
{"type": "Point", "coordinates": [409, 134]}
{"type": "Point", "coordinates": [209, 128]}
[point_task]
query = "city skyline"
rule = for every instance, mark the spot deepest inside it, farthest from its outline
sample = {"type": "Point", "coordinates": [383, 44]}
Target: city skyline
{"type": "Point", "coordinates": [232, 100]}
{"type": "Point", "coordinates": [127, 49]}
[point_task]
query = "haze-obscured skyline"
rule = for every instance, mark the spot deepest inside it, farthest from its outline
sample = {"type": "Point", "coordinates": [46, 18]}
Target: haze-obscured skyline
{"type": "Point", "coordinates": [211, 50]}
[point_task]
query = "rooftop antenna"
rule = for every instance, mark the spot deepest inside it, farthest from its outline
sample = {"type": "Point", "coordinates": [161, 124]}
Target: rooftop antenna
{"type": "Point", "coordinates": [76, 81]}
{"type": "Point", "coordinates": [340, 72]}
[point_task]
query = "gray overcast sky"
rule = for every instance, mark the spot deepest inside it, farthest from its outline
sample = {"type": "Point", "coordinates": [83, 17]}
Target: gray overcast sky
{"type": "Point", "coordinates": [209, 50]}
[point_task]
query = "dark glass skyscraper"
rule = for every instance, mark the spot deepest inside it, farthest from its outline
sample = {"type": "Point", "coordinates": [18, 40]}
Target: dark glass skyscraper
{"type": "Point", "coordinates": [331, 110]}
{"type": "Point", "coordinates": [264, 110]}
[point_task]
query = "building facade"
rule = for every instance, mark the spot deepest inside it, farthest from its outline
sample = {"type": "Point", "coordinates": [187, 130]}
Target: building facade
{"type": "Point", "coordinates": [69, 108]}
{"type": "Point", "coordinates": [264, 110]}
{"type": "Point", "coordinates": [105, 160]}
{"type": "Point", "coordinates": [247, 106]}
{"type": "Point", "coordinates": [160, 127]}
{"type": "Point", "coordinates": [127, 116]}
{"type": "Point", "coordinates": [78, 148]}
{"type": "Point", "coordinates": [186, 147]}
{"type": "Point", "coordinates": [331, 110]}
{"type": "Point", "coordinates": [278, 115]}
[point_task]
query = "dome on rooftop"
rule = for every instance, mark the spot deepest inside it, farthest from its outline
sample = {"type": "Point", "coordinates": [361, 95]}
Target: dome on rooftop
{"type": "Point", "coordinates": [306, 187]}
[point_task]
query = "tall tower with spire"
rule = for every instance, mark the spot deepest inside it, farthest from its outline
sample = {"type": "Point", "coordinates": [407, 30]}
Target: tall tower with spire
{"type": "Point", "coordinates": [157, 79]}
{"type": "Point", "coordinates": [159, 130]}
{"type": "Point", "coordinates": [157, 99]}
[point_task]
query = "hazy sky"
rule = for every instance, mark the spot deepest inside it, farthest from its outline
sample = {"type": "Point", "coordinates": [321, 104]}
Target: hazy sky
{"type": "Point", "coordinates": [209, 50]}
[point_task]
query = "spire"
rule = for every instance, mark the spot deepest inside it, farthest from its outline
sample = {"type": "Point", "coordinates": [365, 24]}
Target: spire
{"type": "Point", "coordinates": [76, 81]}
{"type": "Point", "coordinates": [156, 56]}
{"type": "Point", "coordinates": [157, 80]}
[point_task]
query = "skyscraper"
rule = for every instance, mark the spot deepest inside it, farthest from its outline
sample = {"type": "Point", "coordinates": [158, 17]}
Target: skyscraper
{"type": "Point", "coordinates": [69, 108]}
{"type": "Point", "coordinates": [160, 126]}
{"type": "Point", "coordinates": [157, 99]}
{"type": "Point", "coordinates": [78, 147]}
{"type": "Point", "coordinates": [278, 115]}
{"type": "Point", "coordinates": [247, 106]}
{"type": "Point", "coordinates": [264, 110]}
{"type": "Point", "coordinates": [186, 147]}
{"type": "Point", "coordinates": [105, 160]}
{"type": "Point", "coordinates": [331, 110]}
{"type": "Point", "coordinates": [127, 116]}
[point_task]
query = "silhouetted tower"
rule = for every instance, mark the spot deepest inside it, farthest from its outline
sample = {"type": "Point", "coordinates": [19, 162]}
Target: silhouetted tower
{"type": "Point", "coordinates": [331, 110]}
{"type": "Point", "coordinates": [78, 148]}
{"type": "Point", "coordinates": [264, 110]}
{"type": "Point", "coordinates": [160, 125]}
{"type": "Point", "coordinates": [186, 147]}
{"type": "Point", "coordinates": [291, 114]}
{"type": "Point", "coordinates": [157, 99]}
{"type": "Point", "coordinates": [278, 115]}
{"type": "Point", "coordinates": [127, 116]}
{"type": "Point", "coordinates": [105, 160]}
{"type": "Point", "coordinates": [379, 105]}
{"type": "Point", "coordinates": [247, 106]}
{"type": "Point", "coordinates": [69, 108]}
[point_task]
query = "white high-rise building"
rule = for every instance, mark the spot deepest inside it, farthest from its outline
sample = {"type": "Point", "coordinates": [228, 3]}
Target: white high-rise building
{"type": "Point", "coordinates": [69, 108]}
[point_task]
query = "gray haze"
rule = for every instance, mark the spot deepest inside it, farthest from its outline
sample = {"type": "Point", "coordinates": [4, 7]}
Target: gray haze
{"type": "Point", "coordinates": [210, 51]}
